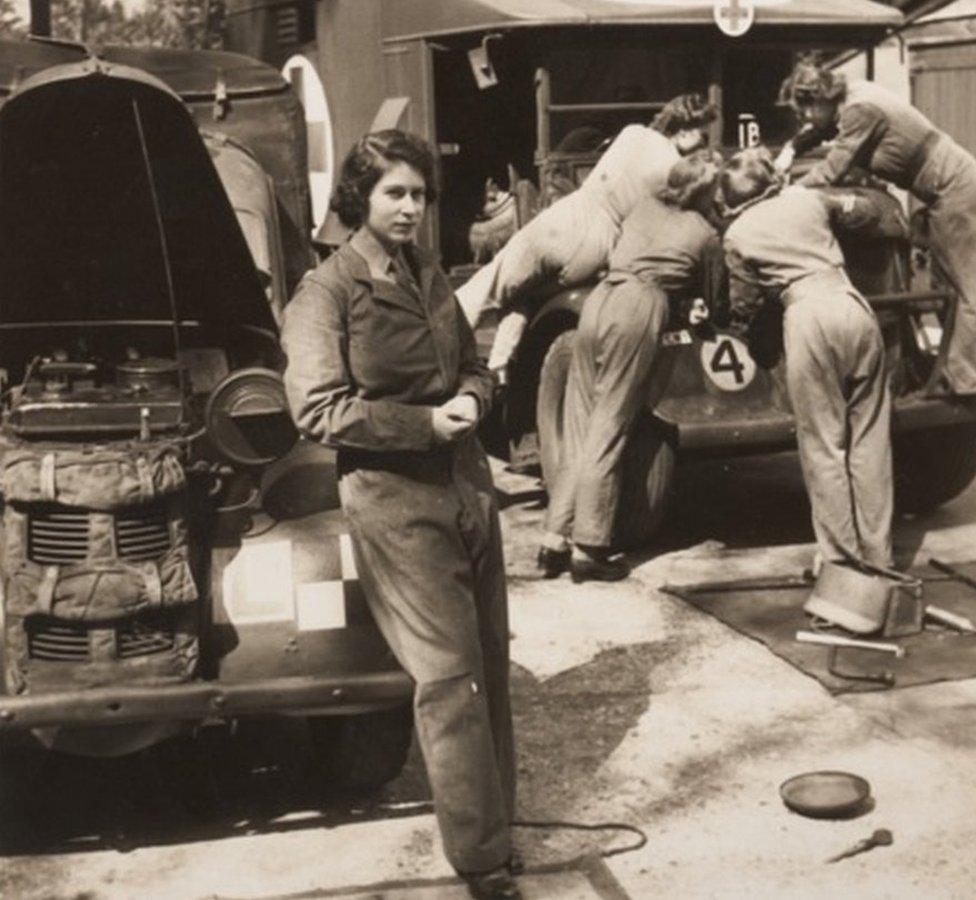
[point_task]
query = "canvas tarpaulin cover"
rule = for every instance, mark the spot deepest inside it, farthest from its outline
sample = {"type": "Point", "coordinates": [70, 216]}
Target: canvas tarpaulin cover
{"type": "Point", "coordinates": [82, 602]}
{"type": "Point", "coordinates": [773, 615]}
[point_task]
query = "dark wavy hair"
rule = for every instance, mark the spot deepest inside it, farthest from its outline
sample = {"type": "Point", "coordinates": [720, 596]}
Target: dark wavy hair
{"type": "Point", "coordinates": [684, 111]}
{"type": "Point", "coordinates": [690, 178]}
{"type": "Point", "coordinates": [760, 180]}
{"type": "Point", "coordinates": [809, 82]}
{"type": "Point", "coordinates": [366, 163]}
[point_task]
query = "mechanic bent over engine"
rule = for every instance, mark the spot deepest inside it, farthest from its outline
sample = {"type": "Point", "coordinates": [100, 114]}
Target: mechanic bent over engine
{"type": "Point", "coordinates": [667, 250]}
{"type": "Point", "coordinates": [382, 366]}
{"type": "Point", "coordinates": [572, 239]}
{"type": "Point", "coordinates": [781, 244]}
{"type": "Point", "coordinates": [894, 141]}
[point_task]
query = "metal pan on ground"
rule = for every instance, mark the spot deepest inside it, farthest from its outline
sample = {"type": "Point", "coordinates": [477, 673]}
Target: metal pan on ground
{"type": "Point", "coordinates": [826, 795]}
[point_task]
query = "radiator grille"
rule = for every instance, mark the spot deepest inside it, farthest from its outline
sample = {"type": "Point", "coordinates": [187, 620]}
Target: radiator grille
{"type": "Point", "coordinates": [144, 637]}
{"type": "Point", "coordinates": [57, 535]}
{"type": "Point", "coordinates": [58, 641]}
{"type": "Point", "coordinates": [141, 534]}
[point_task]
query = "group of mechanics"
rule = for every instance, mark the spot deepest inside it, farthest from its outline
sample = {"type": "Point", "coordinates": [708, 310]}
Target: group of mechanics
{"type": "Point", "coordinates": [662, 216]}
{"type": "Point", "coordinates": [382, 365]}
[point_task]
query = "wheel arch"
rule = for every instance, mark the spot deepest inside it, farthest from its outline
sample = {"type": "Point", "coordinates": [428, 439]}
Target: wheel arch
{"type": "Point", "coordinates": [559, 313]}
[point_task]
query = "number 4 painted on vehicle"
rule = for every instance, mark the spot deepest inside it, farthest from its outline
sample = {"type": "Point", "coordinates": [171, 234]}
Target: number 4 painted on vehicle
{"type": "Point", "coordinates": [727, 363]}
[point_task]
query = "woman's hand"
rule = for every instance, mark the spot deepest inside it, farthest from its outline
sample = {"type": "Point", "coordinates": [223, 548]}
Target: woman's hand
{"type": "Point", "coordinates": [454, 419]}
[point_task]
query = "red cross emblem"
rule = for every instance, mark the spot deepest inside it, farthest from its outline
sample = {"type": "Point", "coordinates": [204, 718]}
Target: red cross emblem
{"type": "Point", "coordinates": [734, 17]}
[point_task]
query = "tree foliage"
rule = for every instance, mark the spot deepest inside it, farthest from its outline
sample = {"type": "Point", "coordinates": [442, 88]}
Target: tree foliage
{"type": "Point", "coordinates": [11, 25]}
{"type": "Point", "coordinates": [189, 24]}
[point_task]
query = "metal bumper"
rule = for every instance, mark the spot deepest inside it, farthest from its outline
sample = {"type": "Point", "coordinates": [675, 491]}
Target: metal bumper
{"type": "Point", "coordinates": [199, 701]}
{"type": "Point", "coordinates": [778, 432]}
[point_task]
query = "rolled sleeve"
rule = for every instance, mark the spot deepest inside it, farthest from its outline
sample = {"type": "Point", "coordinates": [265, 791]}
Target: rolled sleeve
{"type": "Point", "coordinates": [859, 131]}
{"type": "Point", "coordinates": [321, 391]}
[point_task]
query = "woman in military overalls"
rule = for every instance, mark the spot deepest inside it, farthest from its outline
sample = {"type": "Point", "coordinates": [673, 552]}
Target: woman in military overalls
{"type": "Point", "coordinates": [886, 135]}
{"type": "Point", "coordinates": [669, 251]}
{"type": "Point", "coordinates": [780, 247]}
{"type": "Point", "coordinates": [382, 366]}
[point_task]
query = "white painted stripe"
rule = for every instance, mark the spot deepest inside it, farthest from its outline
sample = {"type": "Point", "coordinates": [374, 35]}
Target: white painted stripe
{"type": "Point", "coordinates": [348, 559]}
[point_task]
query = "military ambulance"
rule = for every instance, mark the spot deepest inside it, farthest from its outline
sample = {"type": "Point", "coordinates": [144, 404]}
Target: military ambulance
{"type": "Point", "coordinates": [537, 85]}
{"type": "Point", "coordinates": [171, 555]}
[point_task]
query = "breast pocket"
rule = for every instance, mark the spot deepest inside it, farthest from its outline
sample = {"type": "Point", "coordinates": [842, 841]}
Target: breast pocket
{"type": "Point", "coordinates": [388, 347]}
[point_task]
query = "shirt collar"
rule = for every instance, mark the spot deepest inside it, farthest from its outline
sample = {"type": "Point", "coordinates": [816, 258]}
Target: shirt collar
{"type": "Point", "coordinates": [380, 263]}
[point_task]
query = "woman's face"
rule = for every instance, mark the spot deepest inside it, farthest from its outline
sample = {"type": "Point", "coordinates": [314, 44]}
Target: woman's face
{"type": "Point", "coordinates": [821, 114]}
{"type": "Point", "coordinates": [396, 205]}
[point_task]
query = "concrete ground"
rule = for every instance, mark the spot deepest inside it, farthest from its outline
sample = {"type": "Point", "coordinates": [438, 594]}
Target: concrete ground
{"type": "Point", "coordinates": [631, 707]}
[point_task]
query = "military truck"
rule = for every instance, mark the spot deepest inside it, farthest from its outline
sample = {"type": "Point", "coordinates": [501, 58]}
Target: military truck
{"type": "Point", "coordinates": [707, 396]}
{"type": "Point", "coordinates": [172, 555]}
{"type": "Point", "coordinates": [538, 85]}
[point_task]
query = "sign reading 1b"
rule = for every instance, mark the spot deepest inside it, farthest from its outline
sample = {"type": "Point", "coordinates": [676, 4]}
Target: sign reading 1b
{"type": "Point", "coordinates": [734, 17]}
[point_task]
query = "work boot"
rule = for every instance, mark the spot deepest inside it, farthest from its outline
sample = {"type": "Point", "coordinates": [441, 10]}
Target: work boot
{"type": "Point", "coordinates": [553, 562]}
{"type": "Point", "coordinates": [496, 884]}
{"type": "Point", "coordinates": [598, 566]}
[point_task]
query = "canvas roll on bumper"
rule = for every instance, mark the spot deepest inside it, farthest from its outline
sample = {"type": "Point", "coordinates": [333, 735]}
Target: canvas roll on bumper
{"type": "Point", "coordinates": [204, 700]}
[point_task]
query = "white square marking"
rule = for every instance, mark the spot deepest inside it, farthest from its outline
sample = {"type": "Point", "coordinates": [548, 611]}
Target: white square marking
{"type": "Point", "coordinates": [257, 584]}
{"type": "Point", "coordinates": [320, 605]}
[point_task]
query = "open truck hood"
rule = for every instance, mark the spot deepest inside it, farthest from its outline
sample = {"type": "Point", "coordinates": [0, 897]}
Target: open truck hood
{"type": "Point", "coordinates": [111, 209]}
{"type": "Point", "coordinates": [191, 73]}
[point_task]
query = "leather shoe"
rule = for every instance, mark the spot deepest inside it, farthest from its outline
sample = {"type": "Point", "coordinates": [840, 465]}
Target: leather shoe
{"type": "Point", "coordinates": [591, 568]}
{"type": "Point", "coordinates": [496, 884]}
{"type": "Point", "coordinates": [553, 562]}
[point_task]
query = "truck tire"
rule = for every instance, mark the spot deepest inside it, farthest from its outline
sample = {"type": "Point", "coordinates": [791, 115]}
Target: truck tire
{"type": "Point", "coordinates": [362, 752]}
{"type": "Point", "coordinates": [647, 484]}
{"type": "Point", "coordinates": [549, 404]}
{"type": "Point", "coordinates": [933, 465]}
{"type": "Point", "coordinates": [647, 481]}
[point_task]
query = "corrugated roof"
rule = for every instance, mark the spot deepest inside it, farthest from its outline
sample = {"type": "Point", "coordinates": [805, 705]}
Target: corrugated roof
{"type": "Point", "coordinates": [405, 19]}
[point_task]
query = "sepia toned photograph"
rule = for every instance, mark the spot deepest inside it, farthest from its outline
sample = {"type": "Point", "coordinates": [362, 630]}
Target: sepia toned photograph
{"type": "Point", "coordinates": [497, 449]}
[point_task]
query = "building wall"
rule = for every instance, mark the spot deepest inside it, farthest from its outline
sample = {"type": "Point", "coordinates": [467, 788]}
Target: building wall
{"type": "Point", "coordinates": [891, 67]}
{"type": "Point", "coordinates": [933, 65]}
{"type": "Point", "coordinates": [346, 54]}
{"type": "Point", "coordinates": [943, 87]}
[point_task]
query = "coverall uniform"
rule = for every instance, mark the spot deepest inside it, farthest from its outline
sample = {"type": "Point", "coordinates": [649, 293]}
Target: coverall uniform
{"type": "Point", "coordinates": [834, 354]}
{"type": "Point", "coordinates": [662, 252]}
{"type": "Point", "coordinates": [572, 239]}
{"type": "Point", "coordinates": [369, 354]}
{"type": "Point", "coordinates": [893, 140]}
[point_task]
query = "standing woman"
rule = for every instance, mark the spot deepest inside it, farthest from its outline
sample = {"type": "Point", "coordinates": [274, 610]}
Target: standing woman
{"type": "Point", "coordinates": [780, 247]}
{"type": "Point", "coordinates": [382, 366]}
{"type": "Point", "coordinates": [669, 251]}
{"type": "Point", "coordinates": [880, 132]}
